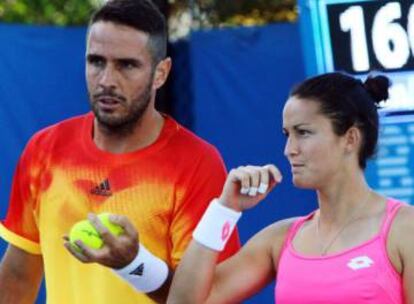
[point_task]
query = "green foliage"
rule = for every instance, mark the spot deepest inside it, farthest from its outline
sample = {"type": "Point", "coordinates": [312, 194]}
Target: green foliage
{"type": "Point", "coordinates": [56, 12]}
{"type": "Point", "coordinates": [247, 12]}
{"type": "Point", "coordinates": [242, 12]}
{"type": "Point", "coordinates": [205, 12]}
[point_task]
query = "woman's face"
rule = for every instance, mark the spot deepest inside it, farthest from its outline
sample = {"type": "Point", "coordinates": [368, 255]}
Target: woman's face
{"type": "Point", "coordinates": [316, 154]}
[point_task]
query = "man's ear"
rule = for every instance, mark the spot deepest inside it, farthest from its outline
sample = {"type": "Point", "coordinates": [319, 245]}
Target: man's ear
{"type": "Point", "coordinates": [162, 70]}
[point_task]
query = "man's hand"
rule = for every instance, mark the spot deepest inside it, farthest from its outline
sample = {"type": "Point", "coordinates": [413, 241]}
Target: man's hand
{"type": "Point", "coordinates": [117, 251]}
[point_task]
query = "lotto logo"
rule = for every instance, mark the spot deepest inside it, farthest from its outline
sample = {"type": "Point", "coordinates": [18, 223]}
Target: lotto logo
{"type": "Point", "coordinates": [225, 231]}
{"type": "Point", "coordinates": [360, 262]}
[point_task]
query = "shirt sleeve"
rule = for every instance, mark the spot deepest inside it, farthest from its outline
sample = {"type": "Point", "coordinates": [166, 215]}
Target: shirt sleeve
{"type": "Point", "coordinates": [19, 228]}
{"type": "Point", "coordinates": [199, 188]}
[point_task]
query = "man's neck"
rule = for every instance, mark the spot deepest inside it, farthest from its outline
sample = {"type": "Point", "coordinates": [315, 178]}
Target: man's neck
{"type": "Point", "coordinates": [143, 134]}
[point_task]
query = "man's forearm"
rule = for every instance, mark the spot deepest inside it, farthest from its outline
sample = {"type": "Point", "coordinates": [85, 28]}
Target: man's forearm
{"type": "Point", "coordinates": [14, 291]}
{"type": "Point", "coordinates": [20, 276]}
{"type": "Point", "coordinates": [160, 295]}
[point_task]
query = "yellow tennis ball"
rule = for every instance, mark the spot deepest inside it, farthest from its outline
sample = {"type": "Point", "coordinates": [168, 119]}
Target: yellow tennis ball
{"type": "Point", "coordinates": [87, 233]}
{"type": "Point", "coordinates": [113, 228]}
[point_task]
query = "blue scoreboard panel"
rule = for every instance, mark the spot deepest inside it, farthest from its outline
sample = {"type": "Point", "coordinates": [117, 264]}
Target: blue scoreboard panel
{"type": "Point", "coordinates": [361, 38]}
{"type": "Point", "coordinates": [392, 172]}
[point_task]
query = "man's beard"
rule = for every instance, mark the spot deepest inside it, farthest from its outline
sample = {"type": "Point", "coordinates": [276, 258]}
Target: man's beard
{"type": "Point", "coordinates": [123, 124]}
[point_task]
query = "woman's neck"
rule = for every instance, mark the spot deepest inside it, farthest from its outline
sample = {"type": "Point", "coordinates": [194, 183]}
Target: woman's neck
{"type": "Point", "coordinates": [339, 202]}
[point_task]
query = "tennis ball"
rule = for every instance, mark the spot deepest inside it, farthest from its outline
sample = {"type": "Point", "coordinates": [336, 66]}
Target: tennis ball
{"type": "Point", "coordinates": [113, 228]}
{"type": "Point", "coordinates": [87, 233]}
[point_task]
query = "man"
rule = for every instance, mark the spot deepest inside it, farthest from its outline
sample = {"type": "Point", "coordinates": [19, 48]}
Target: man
{"type": "Point", "coordinates": [125, 158]}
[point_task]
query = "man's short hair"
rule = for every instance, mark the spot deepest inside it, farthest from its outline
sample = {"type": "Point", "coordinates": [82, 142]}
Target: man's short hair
{"type": "Point", "coordinates": [142, 15]}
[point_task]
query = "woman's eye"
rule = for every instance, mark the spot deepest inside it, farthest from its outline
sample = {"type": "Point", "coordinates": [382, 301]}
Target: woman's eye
{"type": "Point", "coordinates": [303, 132]}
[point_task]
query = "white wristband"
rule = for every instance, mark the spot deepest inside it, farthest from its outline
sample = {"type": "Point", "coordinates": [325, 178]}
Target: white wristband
{"type": "Point", "coordinates": [146, 272]}
{"type": "Point", "coordinates": [216, 226]}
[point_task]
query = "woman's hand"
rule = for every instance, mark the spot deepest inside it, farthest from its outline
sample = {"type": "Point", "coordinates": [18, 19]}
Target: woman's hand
{"type": "Point", "coordinates": [246, 186]}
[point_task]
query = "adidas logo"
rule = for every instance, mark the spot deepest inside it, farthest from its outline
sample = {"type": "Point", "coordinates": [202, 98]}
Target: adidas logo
{"type": "Point", "coordinates": [139, 270]}
{"type": "Point", "coordinates": [103, 189]}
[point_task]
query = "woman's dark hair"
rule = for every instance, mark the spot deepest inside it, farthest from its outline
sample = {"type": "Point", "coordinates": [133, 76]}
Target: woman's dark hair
{"type": "Point", "coordinates": [348, 102]}
{"type": "Point", "coordinates": [142, 15]}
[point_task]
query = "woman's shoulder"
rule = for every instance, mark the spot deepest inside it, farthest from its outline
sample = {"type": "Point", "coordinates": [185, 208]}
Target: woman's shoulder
{"type": "Point", "coordinates": [402, 231]}
{"type": "Point", "coordinates": [273, 236]}
{"type": "Point", "coordinates": [404, 220]}
{"type": "Point", "coordinates": [280, 228]}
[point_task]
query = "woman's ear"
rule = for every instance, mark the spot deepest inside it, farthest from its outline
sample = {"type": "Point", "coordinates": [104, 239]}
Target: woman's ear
{"type": "Point", "coordinates": [353, 139]}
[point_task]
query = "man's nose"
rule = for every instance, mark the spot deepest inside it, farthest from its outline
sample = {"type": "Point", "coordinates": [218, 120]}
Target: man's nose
{"type": "Point", "coordinates": [108, 78]}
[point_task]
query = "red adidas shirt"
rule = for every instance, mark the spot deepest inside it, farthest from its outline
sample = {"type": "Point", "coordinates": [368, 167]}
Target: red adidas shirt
{"type": "Point", "coordinates": [163, 189]}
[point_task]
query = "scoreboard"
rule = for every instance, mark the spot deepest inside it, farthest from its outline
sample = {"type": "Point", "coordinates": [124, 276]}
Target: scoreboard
{"type": "Point", "coordinates": [361, 38]}
{"type": "Point", "coordinates": [392, 172]}
{"type": "Point", "coordinates": [366, 35]}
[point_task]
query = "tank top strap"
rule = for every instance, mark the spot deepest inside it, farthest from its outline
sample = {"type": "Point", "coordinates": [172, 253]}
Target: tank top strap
{"type": "Point", "coordinates": [391, 211]}
{"type": "Point", "coordinates": [293, 229]}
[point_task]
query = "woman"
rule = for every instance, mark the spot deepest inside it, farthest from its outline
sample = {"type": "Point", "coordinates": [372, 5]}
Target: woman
{"type": "Point", "coordinates": [356, 248]}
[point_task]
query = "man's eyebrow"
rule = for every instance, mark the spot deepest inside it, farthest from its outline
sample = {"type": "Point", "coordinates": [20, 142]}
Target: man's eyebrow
{"type": "Point", "coordinates": [90, 57]}
{"type": "Point", "coordinates": [133, 61]}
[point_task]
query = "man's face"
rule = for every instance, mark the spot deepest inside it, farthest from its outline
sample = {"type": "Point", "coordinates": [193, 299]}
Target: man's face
{"type": "Point", "coordinates": [119, 74]}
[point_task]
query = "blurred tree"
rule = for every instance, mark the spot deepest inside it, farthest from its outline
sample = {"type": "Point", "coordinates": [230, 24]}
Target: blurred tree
{"type": "Point", "coordinates": [239, 12]}
{"type": "Point", "coordinates": [57, 12]}
{"type": "Point", "coordinates": [183, 14]}
{"type": "Point", "coordinates": [196, 14]}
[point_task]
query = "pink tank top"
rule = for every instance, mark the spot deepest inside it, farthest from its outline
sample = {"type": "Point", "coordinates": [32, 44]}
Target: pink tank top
{"type": "Point", "coordinates": [359, 275]}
